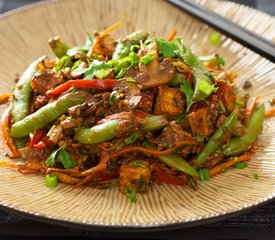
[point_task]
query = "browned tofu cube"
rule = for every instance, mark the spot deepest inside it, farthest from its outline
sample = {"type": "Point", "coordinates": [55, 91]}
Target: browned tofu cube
{"type": "Point", "coordinates": [135, 175]}
{"type": "Point", "coordinates": [169, 101]}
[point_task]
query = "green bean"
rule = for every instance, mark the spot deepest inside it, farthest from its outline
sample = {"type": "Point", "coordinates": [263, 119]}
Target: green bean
{"type": "Point", "coordinates": [107, 131]}
{"type": "Point", "coordinates": [178, 163]}
{"type": "Point", "coordinates": [97, 134]}
{"type": "Point", "coordinates": [154, 123]}
{"type": "Point", "coordinates": [22, 93]}
{"type": "Point", "coordinates": [22, 98]}
{"type": "Point", "coordinates": [239, 144]}
{"type": "Point", "coordinates": [59, 48]}
{"type": "Point", "coordinates": [47, 114]}
{"type": "Point", "coordinates": [217, 138]}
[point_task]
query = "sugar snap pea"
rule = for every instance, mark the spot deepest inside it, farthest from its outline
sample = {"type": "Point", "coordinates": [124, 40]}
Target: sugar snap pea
{"type": "Point", "coordinates": [59, 48]}
{"type": "Point", "coordinates": [22, 93]}
{"type": "Point", "coordinates": [217, 138]}
{"type": "Point", "coordinates": [106, 131]}
{"type": "Point", "coordinates": [47, 114]}
{"type": "Point", "coordinates": [239, 144]}
{"type": "Point", "coordinates": [22, 98]}
{"type": "Point", "coordinates": [97, 134]}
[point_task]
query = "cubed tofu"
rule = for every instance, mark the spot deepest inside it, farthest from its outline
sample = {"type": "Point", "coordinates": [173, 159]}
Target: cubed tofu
{"type": "Point", "coordinates": [146, 102]}
{"type": "Point", "coordinates": [200, 122]}
{"type": "Point", "coordinates": [135, 175]}
{"type": "Point", "coordinates": [169, 101]}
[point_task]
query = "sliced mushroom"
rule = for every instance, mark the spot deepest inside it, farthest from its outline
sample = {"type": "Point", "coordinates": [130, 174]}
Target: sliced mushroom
{"type": "Point", "coordinates": [155, 73]}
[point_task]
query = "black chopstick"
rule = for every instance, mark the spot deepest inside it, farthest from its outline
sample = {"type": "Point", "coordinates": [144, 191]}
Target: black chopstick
{"type": "Point", "coordinates": [245, 37]}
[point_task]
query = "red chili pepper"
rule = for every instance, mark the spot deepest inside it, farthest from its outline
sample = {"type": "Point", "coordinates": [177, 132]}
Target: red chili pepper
{"type": "Point", "coordinates": [40, 145]}
{"type": "Point", "coordinates": [104, 176]}
{"type": "Point", "coordinates": [105, 84]}
{"type": "Point", "coordinates": [189, 77]}
{"type": "Point", "coordinates": [161, 177]}
{"type": "Point", "coordinates": [38, 134]}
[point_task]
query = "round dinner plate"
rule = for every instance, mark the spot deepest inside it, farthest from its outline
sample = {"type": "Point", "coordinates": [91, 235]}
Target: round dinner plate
{"type": "Point", "coordinates": [23, 38]}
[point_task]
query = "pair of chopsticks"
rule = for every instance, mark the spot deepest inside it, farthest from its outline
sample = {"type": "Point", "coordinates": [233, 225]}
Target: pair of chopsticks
{"type": "Point", "coordinates": [245, 37]}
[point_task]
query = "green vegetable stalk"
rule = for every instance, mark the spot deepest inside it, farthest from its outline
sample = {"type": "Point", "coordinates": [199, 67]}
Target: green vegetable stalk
{"type": "Point", "coordinates": [47, 114]}
{"type": "Point", "coordinates": [216, 139]}
{"type": "Point", "coordinates": [239, 144]}
{"type": "Point", "coordinates": [178, 163]}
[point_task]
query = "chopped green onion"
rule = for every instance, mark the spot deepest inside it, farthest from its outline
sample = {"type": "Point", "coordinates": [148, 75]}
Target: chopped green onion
{"type": "Point", "coordinates": [204, 174]}
{"type": "Point", "coordinates": [76, 65]}
{"type": "Point", "coordinates": [129, 79]}
{"type": "Point", "coordinates": [146, 59]}
{"type": "Point", "coordinates": [130, 192]}
{"type": "Point", "coordinates": [215, 38]}
{"type": "Point", "coordinates": [134, 48]}
{"type": "Point", "coordinates": [205, 87]}
{"type": "Point", "coordinates": [103, 73]}
{"type": "Point", "coordinates": [121, 73]}
{"type": "Point", "coordinates": [51, 180]}
{"type": "Point", "coordinates": [125, 62]}
{"type": "Point", "coordinates": [240, 165]}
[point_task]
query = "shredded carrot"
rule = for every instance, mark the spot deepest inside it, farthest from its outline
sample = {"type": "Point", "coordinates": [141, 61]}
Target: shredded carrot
{"type": "Point", "coordinates": [172, 35]}
{"type": "Point", "coordinates": [100, 167]}
{"type": "Point", "coordinates": [5, 97]}
{"type": "Point", "coordinates": [9, 146]}
{"type": "Point", "coordinates": [270, 113]}
{"type": "Point", "coordinates": [112, 146]}
{"type": "Point", "coordinates": [110, 29]}
{"type": "Point", "coordinates": [87, 179]}
{"type": "Point", "coordinates": [251, 109]}
{"type": "Point", "coordinates": [73, 171]}
{"type": "Point", "coordinates": [149, 151]}
{"type": "Point", "coordinates": [91, 173]}
{"type": "Point", "coordinates": [31, 167]}
{"type": "Point", "coordinates": [9, 164]}
{"type": "Point", "coordinates": [65, 178]}
{"type": "Point", "coordinates": [228, 164]}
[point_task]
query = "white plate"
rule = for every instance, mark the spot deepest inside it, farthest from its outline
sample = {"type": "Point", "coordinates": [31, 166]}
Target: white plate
{"type": "Point", "coordinates": [23, 38]}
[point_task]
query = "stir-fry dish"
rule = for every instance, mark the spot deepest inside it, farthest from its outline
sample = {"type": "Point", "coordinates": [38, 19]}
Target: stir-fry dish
{"type": "Point", "coordinates": [131, 112]}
